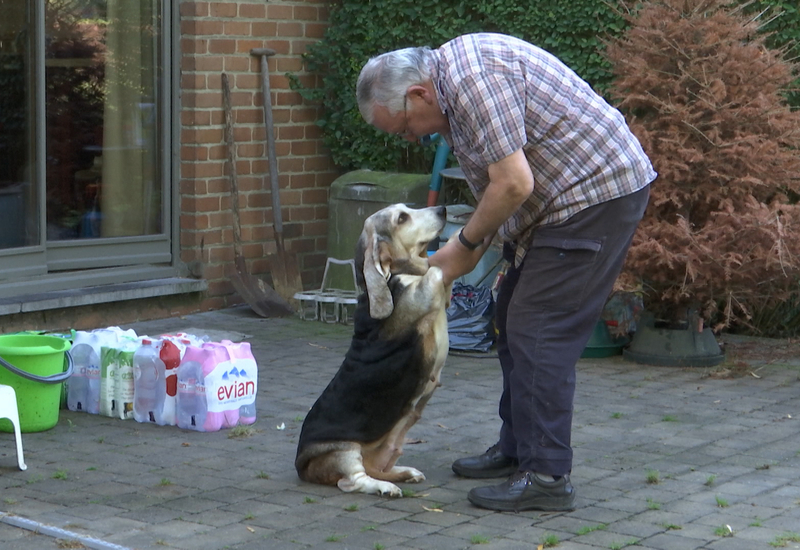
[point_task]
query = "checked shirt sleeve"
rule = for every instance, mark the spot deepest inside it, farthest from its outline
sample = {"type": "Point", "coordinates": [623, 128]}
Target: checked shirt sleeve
{"type": "Point", "coordinates": [495, 127]}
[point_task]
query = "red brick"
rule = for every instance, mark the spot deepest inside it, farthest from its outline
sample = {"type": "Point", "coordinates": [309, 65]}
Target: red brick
{"type": "Point", "coordinates": [290, 132]}
{"type": "Point", "coordinates": [244, 46]}
{"type": "Point", "coordinates": [209, 135]}
{"type": "Point", "coordinates": [315, 196]}
{"type": "Point", "coordinates": [301, 181]}
{"type": "Point", "coordinates": [237, 28]}
{"type": "Point", "coordinates": [193, 81]}
{"type": "Point", "coordinates": [195, 118]}
{"type": "Point", "coordinates": [252, 11]}
{"type": "Point", "coordinates": [223, 10]}
{"type": "Point", "coordinates": [206, 204]}
{"type": "Point", "coordinates": [325, 179]}
{"type": "Point", "coordinates": [207, 63]}
{"type": "Point", "coordinates": [194, 153]}
{"type": "Point", "coordinates": [289, 64]}
{"type": "Point", "coordinates": [222, 45]}
{"type": "Point", "coordinates": [289, 30]}
{"type": "Point", "coordinates": [217, 152]}
{"type": "Point", "coordinates": [287, 165]}
{"type": "Point", "coordinates": [251, 81]}
{"type": "Point", "coordinates": [202, 169]}
{"type": "Point", "coordinates": [260, 165]}
{"type": "Point", "coordinates": [276, 11]}
{"type": "Point", "coordinates": [194, 9]}
{"type": "Point", "coordinates": [280, 46]}
{"type": "Point", "coordinates": [205, 28]}
{"type": "Point", "coordinates": [315, 227]}
{"type": "Point", "coordinates": [306, 13]}
{"type": "Point", "coordinates": [300, 47]}
{"type": "Point", "coordinates": [264, 29]}
{"type": "Point", "coordinates": [221, 221]}
{"type": "Point", "coordinates": [288, 98]}
{"type": "Point", "coordinates": [237, 63]}
{"type": "Point", "coordinates": [304, 147]}
{"type": "Point", "coordinates": [318, 163]}
{"type": "Point", "coordinates": [242, 134]}
{"type": "Point", "coordinates": [300, 214]}
{"type": "Point", "coordinates": [250, 150]}
{"type": "Point", "coordinates": [194, 46]}
{"type": "Point", "coordinates": [192, 187]}
{"type": "Point", "coordinates": [315, 30]}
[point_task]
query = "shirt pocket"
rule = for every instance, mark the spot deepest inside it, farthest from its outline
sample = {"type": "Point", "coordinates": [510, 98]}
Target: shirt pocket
{"type": "Point", "coordinates": [557, 272]}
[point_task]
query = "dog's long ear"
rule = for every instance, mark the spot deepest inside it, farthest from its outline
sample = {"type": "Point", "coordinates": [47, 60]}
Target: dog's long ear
{"type": "Point", "coordinates": [376, 270]}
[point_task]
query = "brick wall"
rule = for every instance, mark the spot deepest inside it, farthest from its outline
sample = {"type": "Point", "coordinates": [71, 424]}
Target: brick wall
{"type": "Point", "coordinates": [217, 37]}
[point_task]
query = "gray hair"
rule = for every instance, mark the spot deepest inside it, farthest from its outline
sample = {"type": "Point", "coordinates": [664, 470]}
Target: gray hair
{"type": "Point", "coordinates": [385, 79]}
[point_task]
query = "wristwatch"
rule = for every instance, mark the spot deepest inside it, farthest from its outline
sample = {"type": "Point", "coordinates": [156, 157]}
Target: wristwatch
{"type": "Point", "coordinates": [463, 240]}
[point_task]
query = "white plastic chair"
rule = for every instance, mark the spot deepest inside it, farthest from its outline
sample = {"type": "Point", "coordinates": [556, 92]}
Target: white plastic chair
{"type": "Point", "coordinates": [8, 409]}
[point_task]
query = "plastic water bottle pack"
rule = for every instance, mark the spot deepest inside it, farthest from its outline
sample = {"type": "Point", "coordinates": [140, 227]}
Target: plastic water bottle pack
{"type": "Point", "coordinates": [173, 379]}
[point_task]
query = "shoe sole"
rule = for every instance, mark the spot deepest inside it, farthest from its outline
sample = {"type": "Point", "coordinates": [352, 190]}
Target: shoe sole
{"type": "Point", "coordinates": [485, 474]}
{"type": "Point", "coordinates": [567, 506]}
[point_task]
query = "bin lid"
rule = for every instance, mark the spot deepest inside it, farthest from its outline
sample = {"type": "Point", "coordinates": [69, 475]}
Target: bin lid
{"type": "Point", "coordinates": [384, 187]}
{"type": "Point", "coordinates": [459, 213]}
{"type": "Point", "coordinates": [454, 173]}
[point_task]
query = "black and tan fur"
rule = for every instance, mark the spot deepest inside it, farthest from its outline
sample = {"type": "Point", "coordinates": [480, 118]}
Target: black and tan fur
{"type": "Point", "coordinates": [354, 433]}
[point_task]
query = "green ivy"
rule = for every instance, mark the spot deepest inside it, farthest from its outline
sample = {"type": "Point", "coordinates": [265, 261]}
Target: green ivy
{"type": "Point", "coordinates": [782, 24]}
{"type": "Point", "coordinates": [359, 29]}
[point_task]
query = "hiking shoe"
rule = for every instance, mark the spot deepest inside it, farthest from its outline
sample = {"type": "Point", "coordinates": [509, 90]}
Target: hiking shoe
{"type": "Point", "coordinates": [525, 491]}
{"type": "Point", "coordinates": [492, 463]}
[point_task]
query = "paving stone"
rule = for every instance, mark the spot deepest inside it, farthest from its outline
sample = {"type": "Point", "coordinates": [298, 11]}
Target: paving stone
{"type": "Point", "coordinates": [145, 486]}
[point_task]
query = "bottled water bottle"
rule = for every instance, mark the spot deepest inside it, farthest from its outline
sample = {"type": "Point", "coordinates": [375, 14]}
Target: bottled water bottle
{"type": "Point", "coordinates": [242, 356]}
{"type": "Point", "coordinates": [217, 359]}
{"type": "Point", "coordinates": [247, 413]}
{"type": "Point", "coordinates": [123, 391]}
{"type": "Point", "coordinates": [192, 406]}
{"type": "Point", "coordinates": [170, 354]}
{"type": "Point", "coordinates": [149, 384]}
{"type": "Point", "coordinates": [83, 389]}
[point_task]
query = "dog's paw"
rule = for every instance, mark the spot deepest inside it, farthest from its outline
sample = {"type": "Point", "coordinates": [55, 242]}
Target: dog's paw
{"type": "Point", "coordinates": [412, 474]}
{"type": "Point", "coordinates": [384, 488]}
{"type": "Point", "coordinates": [417, 477]}
{"type": "Point", "coordinates": [365, 484]}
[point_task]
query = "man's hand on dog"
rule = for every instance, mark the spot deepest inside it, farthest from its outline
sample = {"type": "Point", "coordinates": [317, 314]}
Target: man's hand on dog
{"type": "Point", "coordinates": [455, 260]}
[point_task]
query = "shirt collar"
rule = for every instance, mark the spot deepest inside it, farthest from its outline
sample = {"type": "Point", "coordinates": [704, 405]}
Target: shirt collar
{"type": "Point", "coordinates": [437, 84]}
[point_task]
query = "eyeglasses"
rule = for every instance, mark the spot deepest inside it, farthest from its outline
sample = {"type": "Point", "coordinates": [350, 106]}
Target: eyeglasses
{"type": "Point", "coordinates": [406, 132]}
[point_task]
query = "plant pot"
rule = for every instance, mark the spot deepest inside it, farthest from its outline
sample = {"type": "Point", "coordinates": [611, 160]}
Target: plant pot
{"type": "Point", "coordinates": [671, 347]}
{"type": "Point", "coordinates": [602, 343]}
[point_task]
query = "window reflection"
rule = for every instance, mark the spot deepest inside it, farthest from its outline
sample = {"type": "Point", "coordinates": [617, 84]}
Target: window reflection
{"type": "Point", "coordinates": [102, 123]}
{"type": "Point", "coordinates": [19, 224]}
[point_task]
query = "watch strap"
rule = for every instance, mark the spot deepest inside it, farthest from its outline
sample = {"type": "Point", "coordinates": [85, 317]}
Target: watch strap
{"type": "Point", "coordinates": [463, 240]}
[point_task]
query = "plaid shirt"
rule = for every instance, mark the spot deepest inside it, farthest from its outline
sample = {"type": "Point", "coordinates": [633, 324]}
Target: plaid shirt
{"type": "Point", "coordinates": [501, 94]}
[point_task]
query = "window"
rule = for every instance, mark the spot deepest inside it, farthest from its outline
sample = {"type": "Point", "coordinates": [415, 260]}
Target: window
{"type": "Point", "coordinates": [84, 141]}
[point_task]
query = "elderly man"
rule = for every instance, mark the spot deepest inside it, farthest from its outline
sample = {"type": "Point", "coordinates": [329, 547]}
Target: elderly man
{"type": "Point", "coordinates": [561, 179]}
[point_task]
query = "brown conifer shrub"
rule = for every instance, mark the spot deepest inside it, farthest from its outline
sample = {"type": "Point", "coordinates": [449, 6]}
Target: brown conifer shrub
{"type": "Point", "coordinates": [703, 95]}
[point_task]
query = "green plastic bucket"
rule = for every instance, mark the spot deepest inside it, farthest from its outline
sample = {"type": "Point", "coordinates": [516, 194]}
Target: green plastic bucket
{"type": "Point", "coordinates": [35, 366]}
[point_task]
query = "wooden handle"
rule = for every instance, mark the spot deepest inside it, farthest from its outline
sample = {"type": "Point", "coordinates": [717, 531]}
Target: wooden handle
{"type": "Point", "coordinates": [269, 128]}
{"type": "Point", "coordinates": [230, 145]}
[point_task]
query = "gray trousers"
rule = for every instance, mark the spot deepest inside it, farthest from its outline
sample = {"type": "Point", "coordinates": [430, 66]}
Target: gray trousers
{"type": "Point", "coordinates": [546, 311]}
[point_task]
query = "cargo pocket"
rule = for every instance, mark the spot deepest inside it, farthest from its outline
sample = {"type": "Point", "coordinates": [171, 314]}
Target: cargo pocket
{"type": "Point", "coordinates": [557, 272]}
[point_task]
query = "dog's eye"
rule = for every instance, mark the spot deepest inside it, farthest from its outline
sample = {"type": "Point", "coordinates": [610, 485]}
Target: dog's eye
{"type": "Point", "coordinates": [402, 218]}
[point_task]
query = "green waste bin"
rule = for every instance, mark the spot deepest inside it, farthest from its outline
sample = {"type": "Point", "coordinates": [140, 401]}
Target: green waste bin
{"type": "Point", "coordinates": [354, 197]}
